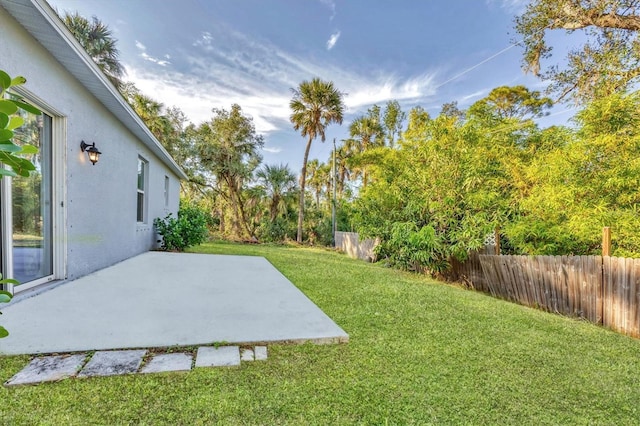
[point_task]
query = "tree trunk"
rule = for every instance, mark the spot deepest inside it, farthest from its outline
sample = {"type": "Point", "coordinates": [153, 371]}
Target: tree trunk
{"type": "Point", "coordinates": [221, 228]}
{"type": "Point", "coordinates": [243, 215]}
{"type": "Point", "coordinates": [273, 209]}
{"type": "Point", "coordinates": [303, 179]}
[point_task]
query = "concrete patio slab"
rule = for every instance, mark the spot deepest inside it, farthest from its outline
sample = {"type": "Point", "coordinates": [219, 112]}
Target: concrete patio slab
{"type": "Point", "coordinates": [113, 363]}
{"type": "Point", "coordinates": [162, 299]}
{"type": "Point", "coordinates": [225, 356]}
{"type": "Point", "coordinates": [48, 369]}
{"type": "Point", "coordinates": [162, 363]}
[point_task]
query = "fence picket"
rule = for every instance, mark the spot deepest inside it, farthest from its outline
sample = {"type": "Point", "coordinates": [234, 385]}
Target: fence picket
{"type": "Point", "coordinates": [603, 290]}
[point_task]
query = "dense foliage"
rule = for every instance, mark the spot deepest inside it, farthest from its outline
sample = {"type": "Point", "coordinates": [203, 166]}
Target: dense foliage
{"type": "Point", "coordinates": [187, 230]}
{"type": "Point", "coordinates": [452, 181]}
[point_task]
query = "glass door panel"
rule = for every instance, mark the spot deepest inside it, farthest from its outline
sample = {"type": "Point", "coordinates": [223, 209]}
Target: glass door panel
{"type": "Point", "coordinates": [31, 205]}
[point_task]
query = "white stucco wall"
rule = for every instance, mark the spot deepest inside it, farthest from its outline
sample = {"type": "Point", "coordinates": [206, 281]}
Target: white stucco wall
{"type": "Point", "coordinates": [99, 200]}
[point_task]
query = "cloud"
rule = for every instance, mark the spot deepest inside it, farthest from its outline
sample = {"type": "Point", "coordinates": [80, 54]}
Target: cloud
{"type": "Point", "coordinates": [511, 6]}
{"type": "Point", "coordinates": [204, 40]}
{"type": "Point", "coordinates": [272, 150]}
{"type": "Point", "coordinates": [161, 62]}
{"type": "Point", "coordinates": [388, 88]}
{"type": "Point", "coordinates": [259, 77]}
{"type": "Point", "coordinates": [144, 55]}
{"type": "Point", "coordinates": [333, 40]}
{"type": "Point", "coordinates": [465, 100]}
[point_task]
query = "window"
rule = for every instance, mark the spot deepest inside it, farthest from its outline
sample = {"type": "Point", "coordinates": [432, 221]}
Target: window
{"type": "Point", "coordinates": [166, 191]}
{"type": "Point", "coordinates": [143, 167]}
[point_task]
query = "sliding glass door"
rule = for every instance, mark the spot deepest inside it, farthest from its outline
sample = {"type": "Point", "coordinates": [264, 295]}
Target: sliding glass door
{"type": "Point", "coordinates": [27, 227]}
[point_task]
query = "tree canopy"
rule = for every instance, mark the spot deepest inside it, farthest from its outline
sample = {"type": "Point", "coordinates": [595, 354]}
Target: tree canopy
{"type": "Point", "coordinates": [607, 62]}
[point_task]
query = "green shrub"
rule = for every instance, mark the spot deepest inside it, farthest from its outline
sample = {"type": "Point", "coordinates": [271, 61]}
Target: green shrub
{"type": "Point", "coordinates": [188, 229]}
{"type": "Point", "coordinates": [413, 249]}
{"type": "Point", "coordinates": [277, 231]}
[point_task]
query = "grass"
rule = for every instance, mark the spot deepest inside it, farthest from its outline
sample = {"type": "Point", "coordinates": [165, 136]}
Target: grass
{"type": "Point", "coordinates": [420, 352]}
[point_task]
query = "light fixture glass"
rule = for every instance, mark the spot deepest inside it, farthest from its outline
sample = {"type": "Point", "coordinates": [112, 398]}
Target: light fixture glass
{"type": "Point", "coordinates": [91, 150]}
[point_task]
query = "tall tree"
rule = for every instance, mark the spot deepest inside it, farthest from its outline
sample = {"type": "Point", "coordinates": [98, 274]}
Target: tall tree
{"type": "Point", "coordinates": [393, 118]}
{"type": "Point", "coordinates": [315, 105]}
{"type": "Point", "coordinates": [279, 183]}
{"type": "Point", "coordinates": [609, 60]}
{"type": "Point", "coordinates": [97, 39]}
{"type": "Point", "coordinates": [366, 132]}
{"type": "Point", "coordinates": [227, 147]}
{"type": "Point", "coordinates": [450, 109]}
{"type": "Point", "coordinates": [507, 102]}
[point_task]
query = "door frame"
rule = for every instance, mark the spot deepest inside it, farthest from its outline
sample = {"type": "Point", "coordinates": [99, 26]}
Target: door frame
{"type": "Point", "coordinates": [58, 199]}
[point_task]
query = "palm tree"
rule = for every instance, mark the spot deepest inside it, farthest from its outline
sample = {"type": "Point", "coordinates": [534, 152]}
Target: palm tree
{"type": "Point", "coordinates": [313, 168]}
{"type": "Point", "coordinates": [151, 112]}
{"type": "Point", "coordinates": [279, 183]}
{"type": "Point", "coordinates": [343, 172]}
{"type": "Point", "coordinates": [366, 132]}
{"type": "Point", "coordinates": [315, 105]}
{"type": "Point", "coordinates": [98, 41]}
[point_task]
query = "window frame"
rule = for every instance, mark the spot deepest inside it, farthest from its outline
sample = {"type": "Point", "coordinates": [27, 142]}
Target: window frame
{"type": "Point", "coordinates": [142, 192]}
{"type": "Point", "coordinates": [167, 186]}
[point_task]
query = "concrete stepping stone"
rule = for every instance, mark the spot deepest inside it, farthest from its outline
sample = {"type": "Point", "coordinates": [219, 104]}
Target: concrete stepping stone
{"type": "Point", "coordinates": [260, 353]}
{"type": "Point", "coordinates": [112, 363]}
{"type": "Point", "coordinates": [246, 355]}
{"type": "Point", "coordinates": [48, 369]}
{"type": "Point", "coordinates": [168, 362]}
{"type": "Point", "coordinates": [224, 356]}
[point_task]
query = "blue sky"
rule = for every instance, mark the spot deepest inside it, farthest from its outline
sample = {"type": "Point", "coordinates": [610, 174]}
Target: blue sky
{"type": "Point", "coordinates": [204, 54]}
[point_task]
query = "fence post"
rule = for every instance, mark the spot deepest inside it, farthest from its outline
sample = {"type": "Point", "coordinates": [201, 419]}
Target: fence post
{"type": "Point", "coordinates": [606, 241]}
{"type": "Point", "coordinates": [497, 237]}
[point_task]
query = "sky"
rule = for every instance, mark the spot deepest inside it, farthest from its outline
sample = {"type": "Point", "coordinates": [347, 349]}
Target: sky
{"type": "Point", "coordinates": [204, 54]}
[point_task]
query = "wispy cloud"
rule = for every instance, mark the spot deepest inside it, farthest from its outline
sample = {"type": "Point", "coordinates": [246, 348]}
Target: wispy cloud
{"type": "Point", "coordinates": [333, 40]}
{"type": "Point", "coordinates": [466, 99]}
{"type": "Point", "coordinates": [142, 48]}
{"type": "Point", "coordinates": [511, 6]}
{"type": "Point", "coordinates": [258, 76]}
{"type": "Point", "coordinates": [204, 40]}
{"type": "Point", "coordinates": [272, 150]}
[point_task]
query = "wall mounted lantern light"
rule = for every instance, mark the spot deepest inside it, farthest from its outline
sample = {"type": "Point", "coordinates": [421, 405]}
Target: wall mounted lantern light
{"type": "Point", "coordinates": [91, 151]}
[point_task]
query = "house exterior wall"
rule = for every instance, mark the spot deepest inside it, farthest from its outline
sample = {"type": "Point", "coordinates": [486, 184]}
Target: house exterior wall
{"type": "Point", "coordinates": [98, 202]}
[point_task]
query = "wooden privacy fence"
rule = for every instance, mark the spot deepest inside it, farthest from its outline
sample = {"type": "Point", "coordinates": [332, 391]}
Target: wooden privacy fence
{"type": "Point", "coordinates": [603, 290]}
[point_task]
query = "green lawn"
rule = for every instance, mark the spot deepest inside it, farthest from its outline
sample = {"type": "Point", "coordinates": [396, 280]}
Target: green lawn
{"type": "Point", "coordinates": [420, 352]}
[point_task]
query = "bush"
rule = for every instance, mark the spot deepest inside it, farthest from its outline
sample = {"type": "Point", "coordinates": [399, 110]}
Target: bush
{"type": "Point", "coordinates": [278, 231]}
{"type": "Point", "coordinates": [189, 229]}
{"type": "Point", "coordinates": [317, 227]}
{"type": "Point", "coordinates": [413, 249]}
